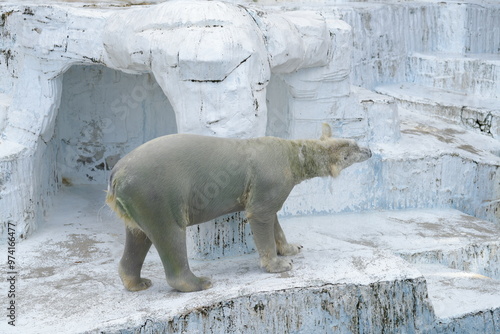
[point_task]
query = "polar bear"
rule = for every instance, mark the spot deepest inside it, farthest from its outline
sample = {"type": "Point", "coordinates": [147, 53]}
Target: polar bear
{"type": "Point", "coordinates": [180, 180]}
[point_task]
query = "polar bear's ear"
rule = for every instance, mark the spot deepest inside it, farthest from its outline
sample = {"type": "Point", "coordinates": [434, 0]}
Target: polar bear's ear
{"type": "Point", "coordinates": [326, 131]}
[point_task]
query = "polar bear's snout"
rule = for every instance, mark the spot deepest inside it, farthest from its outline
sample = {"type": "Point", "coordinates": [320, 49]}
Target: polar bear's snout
{"type": "Point", "coordinates": [355, 153]}
{"type": "Point", "coordinates": [365, 152]}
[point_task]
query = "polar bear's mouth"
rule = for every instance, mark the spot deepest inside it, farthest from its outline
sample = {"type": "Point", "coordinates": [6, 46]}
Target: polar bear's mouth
{"type": "Point", "coordinates": [335, 170]}
{"type": "Point", "coordinates": [361, 154]}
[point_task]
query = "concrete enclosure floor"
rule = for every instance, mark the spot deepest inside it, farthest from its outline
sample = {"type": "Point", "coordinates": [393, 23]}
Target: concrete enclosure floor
{"type": "Point", "coordinates": [68, 278]}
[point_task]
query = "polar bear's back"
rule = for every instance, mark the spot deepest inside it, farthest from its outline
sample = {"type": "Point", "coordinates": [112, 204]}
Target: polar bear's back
{"type": "Point", "coordinates": [179, 170]}
{"type": "Point", "coordinates": [179, 155]}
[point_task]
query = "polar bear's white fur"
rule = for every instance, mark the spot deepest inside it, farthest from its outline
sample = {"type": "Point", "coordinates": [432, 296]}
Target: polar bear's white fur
{"type": "Point", "coordinates": [176, 181]}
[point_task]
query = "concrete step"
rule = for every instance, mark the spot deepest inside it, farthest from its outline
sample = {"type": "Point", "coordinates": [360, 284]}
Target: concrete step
{"type": "Point", "coordinates": [354, 274]}
{"type": "Point", "coordinates": [463, 301]}
{"type": "Point", "coordinates": [418, 171]}
{"type": "Point", "coordinates": [471, 74]}
{"type": "Point", "coordinates": [5, 101]}
{"type": "Point", "coordinates": [472, 112]}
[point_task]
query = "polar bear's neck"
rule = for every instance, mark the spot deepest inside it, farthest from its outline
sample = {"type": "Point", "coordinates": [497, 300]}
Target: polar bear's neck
{"type": "Point", "coordinates": [309, 159]}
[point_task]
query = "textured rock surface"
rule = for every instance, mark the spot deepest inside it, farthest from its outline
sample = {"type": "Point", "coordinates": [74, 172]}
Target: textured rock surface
{"type": "Point", "coordinates": [68, 112]}
{"type": "Point", "coordinates": [349, 277]}
{"type": "Point", "coordinates": [477, 114]}
{"type": "Point", "coordinates": [472, 74]}
{"type": "Point", "coordinates": [189, 69]}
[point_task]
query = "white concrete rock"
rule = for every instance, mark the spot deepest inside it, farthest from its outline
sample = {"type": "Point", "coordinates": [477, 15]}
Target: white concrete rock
{"type": "Point", "coordinates": [472, 112]}
{"type": "Point", "coordinates": [190, 44]}
{"type": "Point", "coordinates": [471, 74]}
{"type": "Point", "coordinates": [350, 275]}
{"type": "Point", "coordinates": [207, 63]}
{"type": "Point", "coordinates": [84, 83]}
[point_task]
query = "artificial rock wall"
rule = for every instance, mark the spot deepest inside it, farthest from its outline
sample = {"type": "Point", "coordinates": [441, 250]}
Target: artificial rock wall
{"type": "Point", "coordinates": [85, 85]}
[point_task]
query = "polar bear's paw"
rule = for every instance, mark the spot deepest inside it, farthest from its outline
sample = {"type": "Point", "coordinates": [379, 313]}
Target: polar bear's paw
{"type": "Point", "coordinates": [189, 283]}
{"type": "Point", "coordinates": [137, 284]}
{"type": "Point", "coordinates": [289, 249]}
{"type": "Point", "coordinates": [277, 265]}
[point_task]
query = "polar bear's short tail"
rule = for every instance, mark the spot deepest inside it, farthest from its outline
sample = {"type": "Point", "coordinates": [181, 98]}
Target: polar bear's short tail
{"type": "Point", "coordinates": [114, 202]}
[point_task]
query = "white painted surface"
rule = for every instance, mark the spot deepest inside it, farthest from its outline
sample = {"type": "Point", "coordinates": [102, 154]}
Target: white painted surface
{"type": "Point", "coordinates": [212, 61]}
{"type": "Point", "coordinates": [456, 292]}
{"type": "Point", "coordinates": [353, 114]}
{"type": "Point", "coordinates": [471, 74]}
{"type": "Point", "coordinates": [473, 112]}
{"type": "Point", "coordinates": [103, 115]}
{"type": "Point", "coordinates": [68, 269]}
{"type": "Point", "coordinates": [275, 77]}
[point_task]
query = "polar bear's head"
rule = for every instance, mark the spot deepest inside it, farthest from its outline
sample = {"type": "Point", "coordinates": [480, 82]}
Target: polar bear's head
{"type": "Point", "coordinates": [342, 152]}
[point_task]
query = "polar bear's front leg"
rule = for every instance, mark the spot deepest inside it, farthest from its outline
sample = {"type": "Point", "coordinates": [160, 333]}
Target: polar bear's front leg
{"type": "Point", "coordinates": [171, 246]}
{"type": "Point", "coordinates": [282, 246]}
{"type": "Point", "coordinates": [263, 234]}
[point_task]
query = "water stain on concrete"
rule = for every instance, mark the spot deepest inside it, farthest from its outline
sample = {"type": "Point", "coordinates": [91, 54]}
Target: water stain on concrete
{"type": "Point", "coordinates": [444, 135]}
{"type": "Point", "coordinates": [469, 148]}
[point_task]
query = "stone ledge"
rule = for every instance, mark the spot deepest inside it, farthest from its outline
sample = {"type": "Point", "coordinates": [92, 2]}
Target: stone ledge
{"type": "Point", "coordinates": [473, 74]}
{"type": "Point", "coordinates": [473, 113]}
{"type": "Point", "coordinates": [347, 273]}
{"type": "Point", "coordinates": [417, 171]}
{"type": "Point", "coordinates": [10, 151]}
{"type": "Point", "coordinates": [457, 294]}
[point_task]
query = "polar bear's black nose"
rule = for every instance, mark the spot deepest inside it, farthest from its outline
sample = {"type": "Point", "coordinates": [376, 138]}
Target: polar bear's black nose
{"type": "Point", "coordinates": [367, 152]}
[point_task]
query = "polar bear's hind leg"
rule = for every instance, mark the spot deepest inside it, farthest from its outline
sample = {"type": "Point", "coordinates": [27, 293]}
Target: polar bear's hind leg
{"type": "Point", "coordinates": [137, 245]}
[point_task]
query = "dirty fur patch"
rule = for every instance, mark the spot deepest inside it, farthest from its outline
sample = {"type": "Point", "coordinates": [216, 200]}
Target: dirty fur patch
{"type": "Point", "coordinates": [117, 206]}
